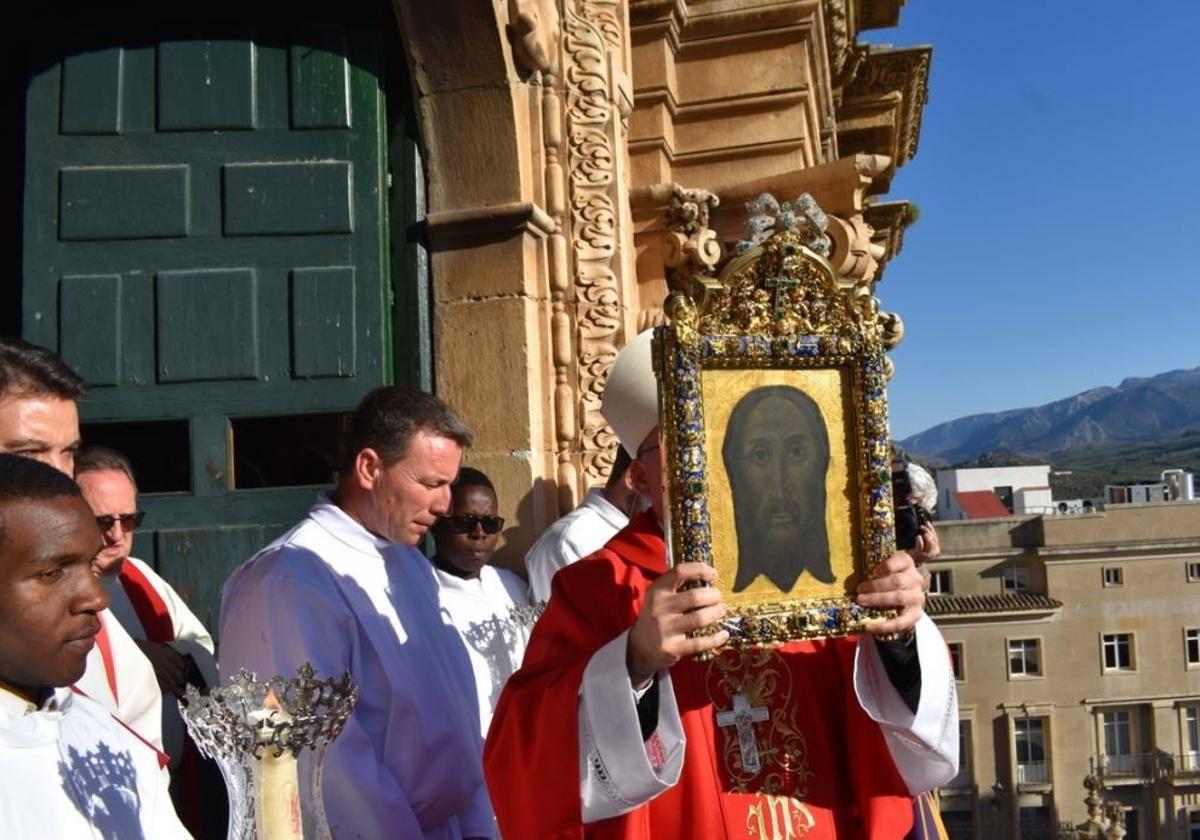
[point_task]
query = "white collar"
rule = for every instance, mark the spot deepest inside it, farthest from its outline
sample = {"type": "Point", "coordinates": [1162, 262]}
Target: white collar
{"type": "Point", "coordinates": [607, 511]}
{"type": "Point", "coordinates": [14, 704]}
{"type": "Point", "coordinates": [345, 529]}
{"type": "Point", "coordinates": [460, 584]}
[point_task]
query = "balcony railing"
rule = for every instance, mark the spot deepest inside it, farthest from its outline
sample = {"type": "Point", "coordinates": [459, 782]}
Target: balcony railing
{"type": "Point", "coordinates": [1033, 773]}
{"type": "Point", "coordinates": [1185, 766]}
{"type": "Point", "coordinates": [1134, 766]}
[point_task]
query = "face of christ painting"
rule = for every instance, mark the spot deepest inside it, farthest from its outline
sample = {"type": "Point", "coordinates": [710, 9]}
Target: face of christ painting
{"type": "Point", "coordinates": [776, 455]}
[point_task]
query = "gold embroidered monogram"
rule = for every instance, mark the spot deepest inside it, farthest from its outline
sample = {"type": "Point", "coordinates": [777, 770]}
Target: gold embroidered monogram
{"type": "Point", "coordinates": [778, 818]}
{"type": "Point", "coordinates": [759, 679]}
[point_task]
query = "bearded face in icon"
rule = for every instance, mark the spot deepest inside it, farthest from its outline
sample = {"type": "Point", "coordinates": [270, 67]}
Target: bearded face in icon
{"type": "Point", "coordinates": [776, 454]}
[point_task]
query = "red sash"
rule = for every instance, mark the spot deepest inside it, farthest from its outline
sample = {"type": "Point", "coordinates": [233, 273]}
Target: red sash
{"type": "Point", "coordinates": [163, 758]}
{"type": "Point", "coordinates": [151, 609]}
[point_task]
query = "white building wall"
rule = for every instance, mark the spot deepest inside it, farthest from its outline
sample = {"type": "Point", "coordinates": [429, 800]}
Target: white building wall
{"type": "Point", "coordinates": [950, 482]}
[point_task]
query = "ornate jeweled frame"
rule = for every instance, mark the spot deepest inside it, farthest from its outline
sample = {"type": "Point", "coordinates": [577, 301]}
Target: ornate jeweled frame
{"type": "Point", "coordinates": [777, 305]}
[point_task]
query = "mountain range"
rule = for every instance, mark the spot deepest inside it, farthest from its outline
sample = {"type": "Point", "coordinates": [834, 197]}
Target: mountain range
{"type": "Point", "coordinates": [1138, 410]}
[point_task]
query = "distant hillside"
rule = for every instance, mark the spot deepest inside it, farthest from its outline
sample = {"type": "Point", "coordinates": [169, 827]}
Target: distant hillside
{"type": "Point", "coordinates": [1091, 467]}
{"type": "Point", "coordinates": [1138, 410]}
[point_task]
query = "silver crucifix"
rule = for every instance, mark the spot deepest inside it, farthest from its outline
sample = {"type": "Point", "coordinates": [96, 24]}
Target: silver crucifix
{"type": "Point", "coordinates": [744, 717]}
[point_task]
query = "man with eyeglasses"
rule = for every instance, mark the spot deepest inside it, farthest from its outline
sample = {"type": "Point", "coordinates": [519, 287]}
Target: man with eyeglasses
{"type": "Point", "coordinates": [177, 644]}
{"type": "Point", "coordinates": [348, 591]}
{"type": "Point", "coordinates": [485, 603]}
{"type": "Point", "coordinates": [39, 419]}
{"type": "Point", "coordinates": [632, 737]}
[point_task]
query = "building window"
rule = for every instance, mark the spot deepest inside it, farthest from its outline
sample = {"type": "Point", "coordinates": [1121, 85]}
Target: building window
{"type": "Point", "coordinates": [1024, 658]}
{"type": "Point", "coordinates": [1016, 578]}
{"type": "Point", "coordinates": [1030, 735]}
{"type": "Point", "coordinates": [1191, 646]}
{"type": "Point", "coordinates": [1118, 651]}
{"type": "Point", "coordinates": [1193, 572]}
{"type": "Point", "coordinates": [1118, 743]}
{"type": "Point", "coordinates": [1114, 576]}
{"type": "Point", "coordinates": [1190, 760]}
{"type": "Point", "coordinates": [1005, 495]}
{"type": "Point", "coordinates": [957, 664]}
{"type": "Point", "coordinates": [939, 582]}
{"type": "Point", "coordinates": [964, 778]}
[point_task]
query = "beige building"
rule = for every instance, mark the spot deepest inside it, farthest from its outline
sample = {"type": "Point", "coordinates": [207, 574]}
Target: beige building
{"type": "Point", "coordinates": [1076, 640]}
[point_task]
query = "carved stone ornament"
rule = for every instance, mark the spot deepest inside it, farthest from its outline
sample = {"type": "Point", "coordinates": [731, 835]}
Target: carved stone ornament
{"type": "Point", "coordinates": [691, 246]}
{"type": "Point", "coordinates": [779, 332]}
{"type": "Point", "coordinates": [534, 28]}
{"type": "Point", "coordinates": [591, 31]}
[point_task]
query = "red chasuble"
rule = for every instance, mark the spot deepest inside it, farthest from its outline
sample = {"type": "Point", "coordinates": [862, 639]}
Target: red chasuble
{"type": "Point", "coordinates": [825, 768]}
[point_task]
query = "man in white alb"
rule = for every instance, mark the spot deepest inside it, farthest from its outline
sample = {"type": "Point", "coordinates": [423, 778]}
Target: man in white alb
{"type": "Point", "coordinates": [39, 420]}
{"type": "Point", "coordinates": [489, 606]}
{"type": "Point", "coordinates": [347, 590]}
{"type": "Point", "coordinates": [583, 530]}
{"type": "Point", "coordinates": [178, 646]}
{"type": "Point", "coordinates": [70, 769]}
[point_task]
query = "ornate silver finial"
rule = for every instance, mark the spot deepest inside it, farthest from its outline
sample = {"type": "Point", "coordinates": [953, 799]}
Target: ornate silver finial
{"type": "Point", "coordinates": [802, 216]}
{"type": "Point", "coordinates": [254, 730]}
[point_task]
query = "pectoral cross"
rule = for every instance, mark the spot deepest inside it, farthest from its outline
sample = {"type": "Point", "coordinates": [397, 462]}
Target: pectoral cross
{"type": "Point", "coordinates": [744, 717]}
{"type": "Point", "coordinates": [780, 285]}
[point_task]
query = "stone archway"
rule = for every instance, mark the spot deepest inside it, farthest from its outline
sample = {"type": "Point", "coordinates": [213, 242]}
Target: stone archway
{"type": "Point", "coordinates": [524, 107]}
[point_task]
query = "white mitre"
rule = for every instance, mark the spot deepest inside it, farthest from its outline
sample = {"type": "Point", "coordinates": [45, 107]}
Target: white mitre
{"type": "Point", "coordinates": [630, 403]}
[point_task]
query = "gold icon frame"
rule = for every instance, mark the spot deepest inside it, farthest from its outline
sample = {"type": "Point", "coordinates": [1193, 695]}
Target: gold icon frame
{"type": "Point", "coordinates": [778, 315]}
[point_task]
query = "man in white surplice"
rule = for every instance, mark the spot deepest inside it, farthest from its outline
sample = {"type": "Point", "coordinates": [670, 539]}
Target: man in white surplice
{"type": "Point", "coordinates": [69, 768]}
{"type": "Point", "coordinates": [39, 419]}
{"type": "Point", "coordinates": [347, 590]}
{"type": "Point", "coordinates": [583, 530]}
{"type": "Point", "coordinates": [489, 606]}
{"type": "Point", "coordinates": [157, 619]}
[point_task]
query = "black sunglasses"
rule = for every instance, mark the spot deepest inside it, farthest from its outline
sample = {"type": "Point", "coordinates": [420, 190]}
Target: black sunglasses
{"type": "Point", "coordinates": [464, 523]}
{"type": "Point", "coordinates": [129, 521]}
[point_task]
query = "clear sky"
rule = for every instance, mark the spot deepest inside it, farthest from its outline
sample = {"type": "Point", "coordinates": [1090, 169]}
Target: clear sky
{"type": "Point", "coordinates": [1057, 180]}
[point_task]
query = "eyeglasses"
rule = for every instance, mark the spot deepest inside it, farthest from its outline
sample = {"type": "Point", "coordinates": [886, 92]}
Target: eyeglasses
{"type": "Point", "coordinates": [464, 523]}
{"type": "Point", "coordinates": [129, 521]}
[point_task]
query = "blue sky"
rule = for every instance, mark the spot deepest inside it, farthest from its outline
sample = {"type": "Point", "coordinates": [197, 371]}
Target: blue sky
{"type": "Point", "coordinates": [1056, 178]}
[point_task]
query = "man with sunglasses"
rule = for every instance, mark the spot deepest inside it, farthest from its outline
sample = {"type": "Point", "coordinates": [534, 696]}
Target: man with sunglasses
{"type": "Point", "coordinates": [347, 591]}
{"type": "Point", "coordinates": [177, 644]}
{"type": "Point", "coordinates": [39, 419]}
{"type": "Point", "coordinates": [483, 602]}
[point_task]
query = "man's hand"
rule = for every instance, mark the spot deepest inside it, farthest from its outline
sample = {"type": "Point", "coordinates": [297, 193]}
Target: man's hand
{"type": "Point", "coordinates": [170, 666]}
{"type": "Point", "coordinates": [928, 547]}
{"type": "Point", "coordinates": [659, 637]}
{"type": "Point", "coordinates": [897, 584]}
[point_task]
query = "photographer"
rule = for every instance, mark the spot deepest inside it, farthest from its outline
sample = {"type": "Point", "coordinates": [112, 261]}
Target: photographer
{"type": "Point", "coordinates": [914, 495]}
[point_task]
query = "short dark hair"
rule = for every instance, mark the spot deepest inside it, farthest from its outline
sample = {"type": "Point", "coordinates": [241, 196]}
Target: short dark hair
{"type": "Point", "coordinates": [25, 478]}
{"type": "Point", "coordinates": [93, 458]}
{"type": "Point", "coordinates": [620, 465]}
{"type": "Point", "coordinates": [389, 418]}
{"type": "Point", "coordinates": [29, 369]}
{"type": "Point", "coordinates": [471, 477]}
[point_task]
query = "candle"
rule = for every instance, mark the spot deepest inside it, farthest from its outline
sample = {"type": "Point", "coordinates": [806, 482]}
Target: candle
{"type": "Point", "coordinates": [277, 784]}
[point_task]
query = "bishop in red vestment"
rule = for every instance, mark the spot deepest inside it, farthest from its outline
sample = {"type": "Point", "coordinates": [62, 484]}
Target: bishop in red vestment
{"type": "Point", "coordinates": [611, 730]}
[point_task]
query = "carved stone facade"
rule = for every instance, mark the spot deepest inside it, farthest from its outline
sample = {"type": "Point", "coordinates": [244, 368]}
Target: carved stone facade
{"type": "Point", "coordinates": [581, 154]}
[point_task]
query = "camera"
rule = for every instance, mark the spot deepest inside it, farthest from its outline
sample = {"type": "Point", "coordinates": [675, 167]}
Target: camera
{"type": "Point", "coordinates": [910, 515]}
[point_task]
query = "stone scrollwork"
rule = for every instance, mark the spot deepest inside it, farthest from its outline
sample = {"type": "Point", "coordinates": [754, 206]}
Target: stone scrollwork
{"type": "Point", "coordinates": [854, 255]}
{"type": "Point", "coordinates": [592, 31]}
{"type": "Point", "coordinates": [534, 28]}
{"type": "Point", "coordinates": [692, 246]}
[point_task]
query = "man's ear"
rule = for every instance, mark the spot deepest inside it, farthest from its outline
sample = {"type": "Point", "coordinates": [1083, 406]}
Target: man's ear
{"type": "Point", "coordinates": [638, 480]}
{"type": "Point", "coordinates": [367, 468]}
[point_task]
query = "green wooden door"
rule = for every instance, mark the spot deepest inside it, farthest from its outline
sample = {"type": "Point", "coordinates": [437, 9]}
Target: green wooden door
{"type": "Point", "coordinates": [207, 241]}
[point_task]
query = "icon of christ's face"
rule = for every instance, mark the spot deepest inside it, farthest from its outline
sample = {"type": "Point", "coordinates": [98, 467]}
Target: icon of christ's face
{"type": "Point", "coordinates": [776, 454]}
